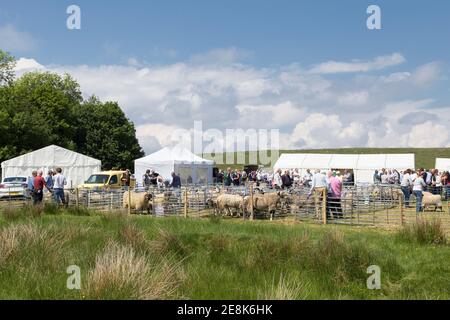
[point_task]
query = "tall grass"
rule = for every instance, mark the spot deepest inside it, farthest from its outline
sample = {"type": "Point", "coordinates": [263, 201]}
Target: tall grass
{"type": "Point", "coordinates": [121, 273]}
{"type": "Point", "coordinates": [287, 288]}
{"type": "Point", "coordinates": [424, 232]}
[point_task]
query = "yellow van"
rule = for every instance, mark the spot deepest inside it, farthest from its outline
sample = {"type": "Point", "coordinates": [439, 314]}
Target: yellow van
{"type": "Point", "coordinates": [106, 180]}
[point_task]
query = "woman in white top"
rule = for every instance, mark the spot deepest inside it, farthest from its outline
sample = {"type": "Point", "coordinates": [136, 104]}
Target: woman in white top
{"type": "Point", "coordinates": [418, 186]}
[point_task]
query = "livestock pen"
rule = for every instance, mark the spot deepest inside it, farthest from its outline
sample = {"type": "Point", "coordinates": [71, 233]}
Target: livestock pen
{"type": "Point", "coordinates": [364, 205]}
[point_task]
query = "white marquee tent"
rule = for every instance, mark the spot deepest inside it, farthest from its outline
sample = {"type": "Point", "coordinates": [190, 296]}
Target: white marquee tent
{"type": "Point", "coordinates": [190, 167]}
{"type": "Point", "coordinates": [363, 165]}
{"type": "Point", "coordinates": [443, 164]}
{"type": "Point", "coordinates": [76, 167]}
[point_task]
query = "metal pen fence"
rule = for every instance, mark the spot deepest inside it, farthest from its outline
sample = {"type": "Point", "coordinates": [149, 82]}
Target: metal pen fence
{"type": "Point", "coordinates": [370, 205]}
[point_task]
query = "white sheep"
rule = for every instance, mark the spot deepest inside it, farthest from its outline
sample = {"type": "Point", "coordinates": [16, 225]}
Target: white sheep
{"type": "Point", "coordinates": [140, 201]}
{"type": "Point", "coordinates": [430, 199]}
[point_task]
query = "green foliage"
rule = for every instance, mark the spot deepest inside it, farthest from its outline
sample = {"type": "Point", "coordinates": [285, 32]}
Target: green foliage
{"type": "Point", "coordinates": [105, 133]}
{"type": "Point", "coordinates": [43, 108]}
{"type": "Point", "coordinates": [7, 64]}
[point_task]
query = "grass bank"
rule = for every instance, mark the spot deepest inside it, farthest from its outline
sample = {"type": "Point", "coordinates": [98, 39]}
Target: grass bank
{"type": "Point", "coordinates": [140, 257]}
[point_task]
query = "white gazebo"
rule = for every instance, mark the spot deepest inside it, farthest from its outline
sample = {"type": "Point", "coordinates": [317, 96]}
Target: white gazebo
{"type": "Point", "coordinates": [363, 165]}
{"type": "Point", "coordinates": [190, 167]}
{"type": "Point", "coordinates": [76, 166]}
{"type": "Point", "coordinates": [442, 164]}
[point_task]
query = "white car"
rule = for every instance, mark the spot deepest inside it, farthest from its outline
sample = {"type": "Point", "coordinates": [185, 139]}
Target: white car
{"type": "Point", "coordinates": [12, 187]}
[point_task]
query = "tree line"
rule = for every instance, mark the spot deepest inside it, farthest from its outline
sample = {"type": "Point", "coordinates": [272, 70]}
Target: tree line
{"type": "Point", "coordinates": [43, 108]}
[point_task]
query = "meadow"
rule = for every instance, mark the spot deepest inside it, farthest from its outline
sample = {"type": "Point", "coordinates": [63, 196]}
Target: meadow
{"type": "Point", "coordinates": [142, 257]}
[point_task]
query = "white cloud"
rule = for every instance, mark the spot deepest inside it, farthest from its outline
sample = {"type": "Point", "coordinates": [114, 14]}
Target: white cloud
{"type": "Point", "coordinates": [378, 63]}
{"type": "Point", "coordinates": [270, 116]}
{"type": "Point", "coordinates": [426, 74]}
{"type": "Point", "coordinates": [311, 110]}
{"type": "Point", "coordinates": [429, 135]}
{"type": "Point", "coordinates": [354, 99]}
{"type": "Point", "coordinates": [27, 65]}
{"type": "Point", "coordinates": [327, 131]}
{"type": "Point", "coordinates": [12, 39]}
{"type": "Point", "coordinates": [220, 56]}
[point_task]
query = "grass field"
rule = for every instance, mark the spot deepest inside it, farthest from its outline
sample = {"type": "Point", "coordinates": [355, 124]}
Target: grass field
{"type": "Point", "coordinates": [425, 157]}
{"type": "Point", "coordinates": [140, 257]}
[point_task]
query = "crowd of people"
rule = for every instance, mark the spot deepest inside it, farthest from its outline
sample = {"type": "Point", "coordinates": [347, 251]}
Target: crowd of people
{"type": "Point", "coordinates": [54, 182]}
{"type": "Point", "coordinates": [152, 179]}
{"type": "Point", "coordinates": [416, 182]}
{"type": "Point", "coordinates": [278, 179]}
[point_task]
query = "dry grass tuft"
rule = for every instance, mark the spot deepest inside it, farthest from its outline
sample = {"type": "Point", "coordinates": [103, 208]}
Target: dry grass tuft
{"type": "Point", "coordinates": [286, 289]}
{"type": "Point", "coordinates": [425, 232]}
{"type": "Point", "coordinates": [120, 273]}
{"type": "Point", "coordinates": [167, 242]}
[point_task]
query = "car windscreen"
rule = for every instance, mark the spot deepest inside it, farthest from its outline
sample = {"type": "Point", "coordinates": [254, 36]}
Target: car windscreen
{"type": "Point", "coordinates": [98, 179]}
{"type": "Point", "coordinates": [15, 180]}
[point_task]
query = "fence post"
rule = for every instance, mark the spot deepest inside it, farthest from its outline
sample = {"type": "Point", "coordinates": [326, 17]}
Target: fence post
{"type": "Point", "coordinates": [185, 203]}
{"type": "Point", "coordinates": [252, 216]}
{"type": "Point", "coordinates": [324, 206]}
{"type": "Point", "coordinates": [129, 201]}
{"type": "Point", "coordinates": [402, 213]}
{"type": "Point", "coordinates": [77, 200]}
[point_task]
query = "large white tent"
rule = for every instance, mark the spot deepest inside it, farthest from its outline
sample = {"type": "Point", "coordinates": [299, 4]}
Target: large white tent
{"type": "Point", "coordinates": [76, 167]}
{"type": "Point", "coordinates": [443, 164]}
{"type": "Point", "coordinates": [363, 165]}
{"type": "Point", "coordinates": [190, 167]}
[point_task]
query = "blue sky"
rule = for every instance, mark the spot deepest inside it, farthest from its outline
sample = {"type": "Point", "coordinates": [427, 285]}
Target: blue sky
{"type": "Point", "coordinates": [275, 32]}
{"type": "Point", "coordinates": [255, 45]}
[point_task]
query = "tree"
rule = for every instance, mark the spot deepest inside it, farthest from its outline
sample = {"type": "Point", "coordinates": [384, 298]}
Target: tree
{"type": "Point", "coordinates": [7, 64]}
{"type": "Point", "coordinates": [105, 133]}
{"type": "Point", "coordinates": [42, 108]}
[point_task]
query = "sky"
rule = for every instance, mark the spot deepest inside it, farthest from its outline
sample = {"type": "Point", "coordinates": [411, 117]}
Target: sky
{"type": "Point", "coordinates": [310, 69]}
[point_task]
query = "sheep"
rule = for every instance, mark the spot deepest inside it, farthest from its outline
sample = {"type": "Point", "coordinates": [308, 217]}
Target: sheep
{"type": "Point", "coordinates": [430, 199]}
{"type": "Point", "coordinates": [50, 197]}
{"type": "Point", "coordinates": [264, 202]}
{"type": "Point", "coordinates": [140, 201]}
{"type": "Point", "coordinates": [386, 193]}
{"type": "Point", "coordinates": [225, 202]}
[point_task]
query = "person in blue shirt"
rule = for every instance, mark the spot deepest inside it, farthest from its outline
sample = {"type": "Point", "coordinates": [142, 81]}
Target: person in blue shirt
{"type": "Point", "coordinates": [31, 182]}
{"type": "Point", "coordinates": [49, 179]}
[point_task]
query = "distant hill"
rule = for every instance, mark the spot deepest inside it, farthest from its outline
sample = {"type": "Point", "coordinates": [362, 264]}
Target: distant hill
{"type": "Point", "coordinates": [425, 157]}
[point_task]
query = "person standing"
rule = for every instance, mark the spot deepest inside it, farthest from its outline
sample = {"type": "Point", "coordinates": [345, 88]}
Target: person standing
{"type": "Point", "coordinates": [318, 182]}
{"type": "Point", "coordinates": [236, 177]}
{"type": "Point", "coordinates": [126, 178]}
{"type": "Point", "coordinates": [335, 193]}
{"type": "Point", "coordinates": [286, 180]}
{"type": "Point", "coordinates": [59, 182]}
{"type": "Point", "coordinates": [31, 183]}
{"type": "Point", "coordinates": [176, 181]}
{"type": "Point", "coordinates": [39, 184]}
{"type": "Point", "coordinates": [146, 179]}
{"type": "Point", "coordinates": [406, 185]}
{"type": "Point", "coordinates": [418, 186]}
{"type": "Point", "coordinates": [227, 178]}
{"type": "Point", "coordinates": [277, 181]}
{"type": "Point", "coordinates": [49, 179]}
{"type": "Point", "coordinates": [307, 178]}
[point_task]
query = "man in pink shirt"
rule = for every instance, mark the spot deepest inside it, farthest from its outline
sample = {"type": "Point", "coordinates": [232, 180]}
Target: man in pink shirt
{"type": "Point", "coordinates": [334, 195]}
